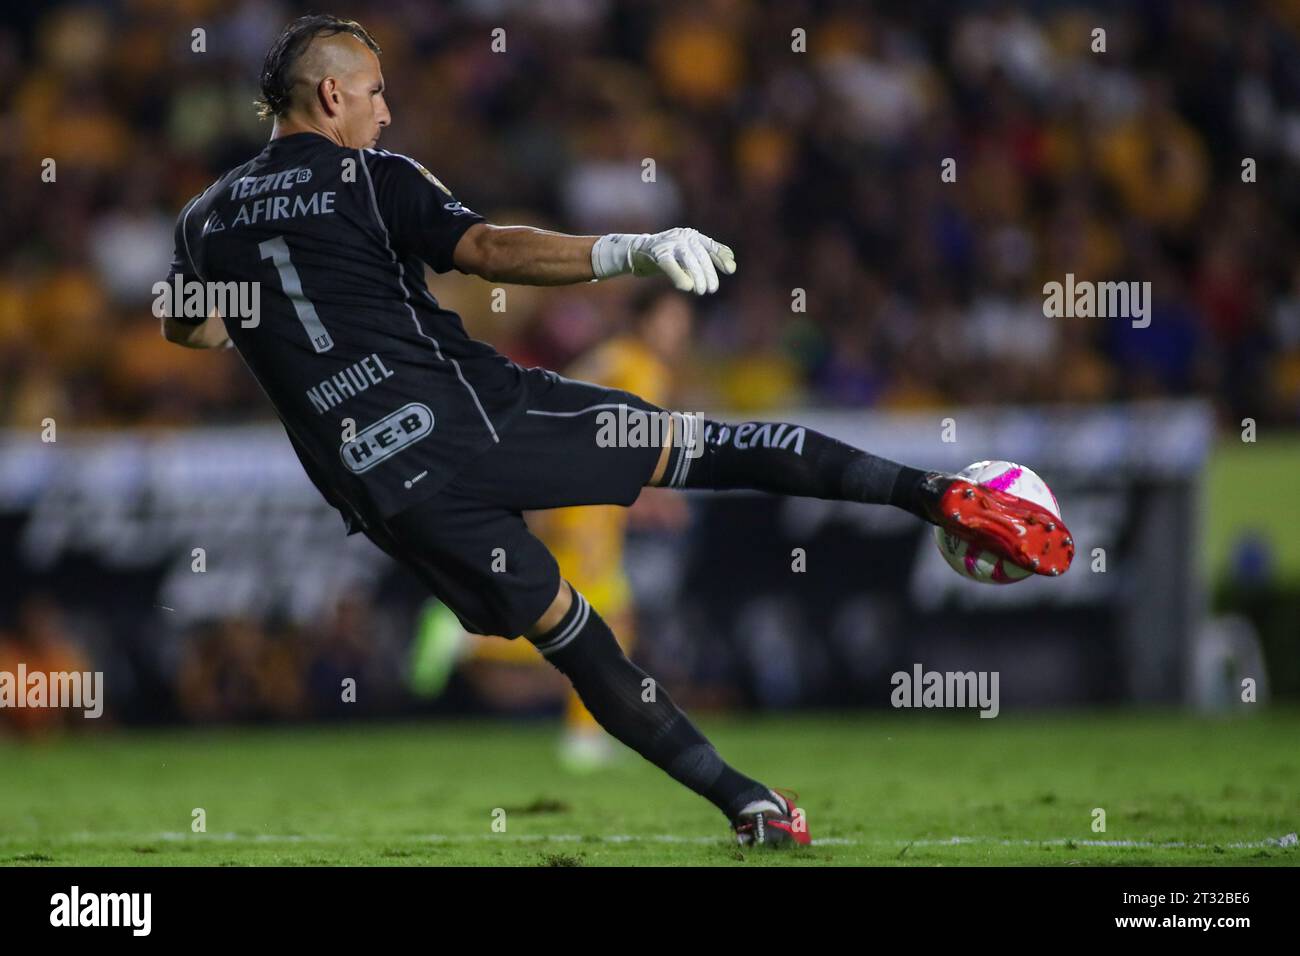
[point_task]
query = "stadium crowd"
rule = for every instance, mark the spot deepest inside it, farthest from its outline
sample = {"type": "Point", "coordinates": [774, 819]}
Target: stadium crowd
{"type": "Point", "coordinates": [810, 136]}
{"type": "Point", "coordinates": [865, 280]}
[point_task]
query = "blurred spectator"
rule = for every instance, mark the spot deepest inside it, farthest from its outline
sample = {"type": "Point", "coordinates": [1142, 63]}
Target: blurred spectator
{"type": "Point", "coordinates": [42, 644]}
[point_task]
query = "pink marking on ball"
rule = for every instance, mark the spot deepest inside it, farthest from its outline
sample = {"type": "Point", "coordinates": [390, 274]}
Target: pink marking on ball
{"type": "Point", "coordinates": [970, 559]}
{"type": "Point", "coordinates": [1003, 481]}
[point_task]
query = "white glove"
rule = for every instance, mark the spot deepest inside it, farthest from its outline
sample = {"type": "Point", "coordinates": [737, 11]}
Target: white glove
{"type": "Point", "coordinates": [690, 259]}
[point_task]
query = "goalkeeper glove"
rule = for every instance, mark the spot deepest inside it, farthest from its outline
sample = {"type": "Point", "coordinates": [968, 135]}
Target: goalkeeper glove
{"type": "Point", "coordinates": [691, 260]}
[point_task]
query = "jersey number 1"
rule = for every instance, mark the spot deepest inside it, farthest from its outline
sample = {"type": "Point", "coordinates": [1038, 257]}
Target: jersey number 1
{"type": "Point", "coordinates": [277, 250]}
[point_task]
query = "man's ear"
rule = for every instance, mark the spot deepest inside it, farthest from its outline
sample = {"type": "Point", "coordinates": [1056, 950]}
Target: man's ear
{"type": "Point", "coordinates": [327, 93]}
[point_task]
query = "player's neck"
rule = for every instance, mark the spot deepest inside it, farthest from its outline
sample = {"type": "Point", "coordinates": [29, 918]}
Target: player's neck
{"type": "Point", "coordinates": [289, 126]}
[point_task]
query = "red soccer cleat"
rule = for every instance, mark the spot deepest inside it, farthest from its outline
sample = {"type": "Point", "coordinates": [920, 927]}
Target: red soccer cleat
{"type": "Point", "coordinates": [776, 822]}
{"type": "Point", "coordinates": [1014, 528]}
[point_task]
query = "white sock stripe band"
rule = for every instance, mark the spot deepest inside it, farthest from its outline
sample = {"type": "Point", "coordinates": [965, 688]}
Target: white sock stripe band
{"type": "Point", "coordinates": [572, 631]}
{"type": "Point", "coordinates": [690, 436]}
{"type": "Point", "coordinates": [569, 633]}
{"type": "Point", "coordinates": [679, 434]}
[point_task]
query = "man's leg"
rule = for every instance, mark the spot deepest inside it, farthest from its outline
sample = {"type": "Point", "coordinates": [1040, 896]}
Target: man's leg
{"type": "Point", "coordinates": [554, 456]}
{"type": "Point", "coordinates": [783, 459]}
{"type": "Point", "coordinates": [787, 459]}
{"type": "Point", "coordinates": [449, 541]}
{"type": "Point", "coordinates": [629, 704]}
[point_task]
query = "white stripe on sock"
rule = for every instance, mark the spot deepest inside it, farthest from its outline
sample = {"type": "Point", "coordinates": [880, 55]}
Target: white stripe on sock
{"type": "Point", "coordinates": [569, 633]}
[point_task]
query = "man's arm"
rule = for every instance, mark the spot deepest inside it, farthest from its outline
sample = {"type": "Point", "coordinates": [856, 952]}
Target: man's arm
{"type": "Point", "coordinates": [211, 332]}
{"type": "Point", "coordinates": [208, 334]}
{"type": "Point", "coordinates": [528, 256]}
{"type": "Point", "coordinates": [523, 255]}
{"type": "Point", "coordinates": [422, 217]}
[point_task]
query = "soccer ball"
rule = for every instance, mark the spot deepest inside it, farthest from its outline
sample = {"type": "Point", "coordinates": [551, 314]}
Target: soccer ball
{"type": "Point", "coordinates": [970, 560]}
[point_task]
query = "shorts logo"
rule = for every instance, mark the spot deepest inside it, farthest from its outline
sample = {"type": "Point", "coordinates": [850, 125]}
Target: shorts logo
{"type": "Point", "coordinates": [386, 437]}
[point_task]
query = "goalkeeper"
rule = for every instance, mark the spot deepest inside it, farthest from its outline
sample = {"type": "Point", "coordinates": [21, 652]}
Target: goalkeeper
{"type": "Point", "coordinates": [432, 444]}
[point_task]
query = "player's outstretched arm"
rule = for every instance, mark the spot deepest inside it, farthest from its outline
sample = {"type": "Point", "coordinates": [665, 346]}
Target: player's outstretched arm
{"type": "Point", "coordinates": [528, 256]}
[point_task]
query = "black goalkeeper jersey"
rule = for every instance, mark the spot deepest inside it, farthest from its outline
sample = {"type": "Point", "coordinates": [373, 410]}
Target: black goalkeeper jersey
{"type": "Point", "coordinates": [384, 395]}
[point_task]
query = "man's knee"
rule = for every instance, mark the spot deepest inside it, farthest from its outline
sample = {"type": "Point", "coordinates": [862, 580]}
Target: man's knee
{"type": "Point", "coordinates": [688, 433]}
{"type": "Point", "coordinates": [553, 614]}
{"type": "Point", "coordinates": [665, 454]}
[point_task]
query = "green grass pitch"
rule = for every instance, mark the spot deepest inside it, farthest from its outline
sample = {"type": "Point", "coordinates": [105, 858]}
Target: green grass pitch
{"type": "Point", "coordinates": [878, 789]}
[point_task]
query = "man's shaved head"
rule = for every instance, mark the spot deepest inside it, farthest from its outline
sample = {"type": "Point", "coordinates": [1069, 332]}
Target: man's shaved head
{"type": "Point", "coordinates": [323, 74]}
{"type": "Point", "coordinates": [340, 55]}
{"type": "Point", "coordinates": [310, 50]}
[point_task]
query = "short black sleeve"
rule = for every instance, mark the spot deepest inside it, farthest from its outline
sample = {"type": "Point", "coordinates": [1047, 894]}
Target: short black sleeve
{"type": "Point", "coordinates": [422, 216]}
{"type": "Point", "coordinates": [182, 265]}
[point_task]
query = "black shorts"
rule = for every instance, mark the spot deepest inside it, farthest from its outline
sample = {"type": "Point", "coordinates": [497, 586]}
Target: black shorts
{"type": "Point", "coordinates": [469, 543]}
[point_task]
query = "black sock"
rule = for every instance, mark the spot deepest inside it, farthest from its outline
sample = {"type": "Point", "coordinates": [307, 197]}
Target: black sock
{"type": "Point", "coordinates": [640, 714]}
{"type": "Point", "coordinates": [788, 460]}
